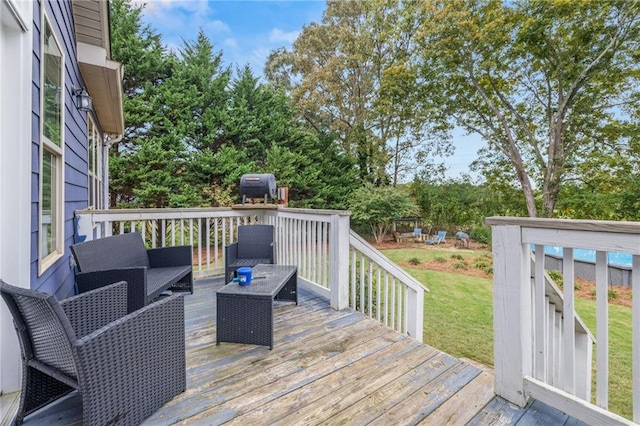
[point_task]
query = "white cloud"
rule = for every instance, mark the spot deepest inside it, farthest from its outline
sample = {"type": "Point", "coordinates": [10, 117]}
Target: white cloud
{"type": "Point", "coordinates": [277, 36]}
{"type": "Point", "coordinates": [181, 17]}
{"type": "Point", "coordinates": [230, 42]}
{"type": "Point", "coordinates": [197, 7]}
{"type": "Point", "coordinates": [216, 26]}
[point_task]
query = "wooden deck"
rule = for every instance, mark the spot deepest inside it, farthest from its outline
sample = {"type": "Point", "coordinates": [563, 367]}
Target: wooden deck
{"type": "Point", "coordinates": [326, 367]}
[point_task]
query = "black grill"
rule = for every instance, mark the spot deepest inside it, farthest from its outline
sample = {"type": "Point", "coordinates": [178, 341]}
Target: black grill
{"type": "Point", "coordinates": [258, 186]}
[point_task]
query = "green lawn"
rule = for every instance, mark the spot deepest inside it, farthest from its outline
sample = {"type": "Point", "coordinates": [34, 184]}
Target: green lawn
{"type": "Point", "coordinates": [458, 319]}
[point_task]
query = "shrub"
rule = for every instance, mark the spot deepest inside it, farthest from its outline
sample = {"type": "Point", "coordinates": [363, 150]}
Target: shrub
{"type": "Point", "coordinates": [487, 269]}
{"type": "Point", "coordinates": [611, 293]}
{"type": "Point", "coordinates": [460, 264]}
{"type": "Point", "coordinates": [556, 276]}
{"type": "Point", "coordinates": [484, 263]}
{"type": "Point", "coordinates": [439, 259]}
{"type": "Point", "coordinates": [481, 234]}
{"type": "Point", "coordinates": [414, 261]}
{"type": "Point", "coordinates": [457, 256]}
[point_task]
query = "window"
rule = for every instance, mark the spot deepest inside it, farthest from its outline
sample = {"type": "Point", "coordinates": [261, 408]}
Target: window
{"type": "Point", "coordinates": [51, 147]}
{"type": "Point", "coordinates": [95, 166]}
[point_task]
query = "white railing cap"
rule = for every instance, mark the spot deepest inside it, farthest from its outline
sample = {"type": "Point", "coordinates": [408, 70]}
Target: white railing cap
{"type": "Point", "coordinates": [315, 211]}
{"type": "Point", "coordinates": [178, 211]}
{"type": "Point", "coordinates": [567, 224]}
{"type": "Point", "coordinates": [362, 245]}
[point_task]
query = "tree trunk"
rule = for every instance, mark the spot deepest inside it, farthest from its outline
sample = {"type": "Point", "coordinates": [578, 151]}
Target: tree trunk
{"type": "Point", "coordinates": [555, 162]}
{"type": "Point", "coordinates": [525, 182]}
{"type": "Point", "coordinates": [396, 162]}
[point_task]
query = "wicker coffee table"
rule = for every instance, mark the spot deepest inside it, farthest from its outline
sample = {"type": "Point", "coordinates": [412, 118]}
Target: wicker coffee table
{"type": "Point", "coordinates": [245, 313]}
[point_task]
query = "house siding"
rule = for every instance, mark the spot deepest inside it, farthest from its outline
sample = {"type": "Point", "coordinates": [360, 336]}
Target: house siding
{"type": "Point", "coordinates": [59, 277]}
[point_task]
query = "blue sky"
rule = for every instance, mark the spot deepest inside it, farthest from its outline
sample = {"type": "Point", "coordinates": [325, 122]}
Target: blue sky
{"type": "Point", "coordinates": [246, 31]}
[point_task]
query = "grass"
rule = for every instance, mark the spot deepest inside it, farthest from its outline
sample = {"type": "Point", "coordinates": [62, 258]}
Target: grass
{"type": "Point", "coordinates": [453, 303]}
{"type": "Point", "coordinates": [620, 350]}
{"type": "Point", "coordinates": [458, 319]}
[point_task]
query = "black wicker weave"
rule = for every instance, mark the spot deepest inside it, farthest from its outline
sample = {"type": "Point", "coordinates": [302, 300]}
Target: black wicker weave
{"type": "Point", "coordinates": [254, 247]}
{"type": "Point", "coordinates": [245, 313]}
{"type": "Point", "coordinates": [125, 258]}
{"type": "Point", "coordinates": [124, 366]}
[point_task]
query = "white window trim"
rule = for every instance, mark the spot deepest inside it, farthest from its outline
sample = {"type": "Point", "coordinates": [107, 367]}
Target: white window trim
{"type": "Point", "coordinates": [95, 177]}
{"type": "Point", "coordinates": [44, 262]}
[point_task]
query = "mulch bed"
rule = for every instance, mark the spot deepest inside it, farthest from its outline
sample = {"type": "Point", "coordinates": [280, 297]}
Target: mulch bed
{"type": "Point", "coordinates": [586, 289]}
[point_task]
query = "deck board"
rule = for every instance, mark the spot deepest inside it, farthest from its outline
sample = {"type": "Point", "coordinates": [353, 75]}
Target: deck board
{"type": "Point", "coordinates": [474, 395]}
{"type": "Point", "coordinates": [326, 367]}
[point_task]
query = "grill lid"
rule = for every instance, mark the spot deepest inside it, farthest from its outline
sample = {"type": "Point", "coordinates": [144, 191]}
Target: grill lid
{"type": "Point", "coordinates": [258, 186]}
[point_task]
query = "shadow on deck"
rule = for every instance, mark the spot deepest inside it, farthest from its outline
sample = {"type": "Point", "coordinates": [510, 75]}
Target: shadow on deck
{"type": "Point", "coordinates": [326, 367]}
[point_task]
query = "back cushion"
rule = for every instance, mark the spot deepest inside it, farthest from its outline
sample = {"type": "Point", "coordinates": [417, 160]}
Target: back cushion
{"type": "Point", "coordinates": [255, 241]}
{"type": "Point", "coordinates": [118, 251]}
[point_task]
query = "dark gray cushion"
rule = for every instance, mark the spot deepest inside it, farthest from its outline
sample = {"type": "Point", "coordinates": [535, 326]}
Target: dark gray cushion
{"type": "Point", "coordinates": [115, 252]}
{"type": "Point", "coordinates": [255, 241]}
{"type": "Point", "coordinates": [160, 278]}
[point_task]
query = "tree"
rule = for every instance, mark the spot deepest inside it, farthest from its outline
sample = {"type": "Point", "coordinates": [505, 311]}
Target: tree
{"type": "Point", "coordinates": [196, 97]}
{"type": "Point", "coordinates": [195, 110]}
{"type": "Point", "coordinates": [351, 76]}
{"type": "Point", "coordinates": [461, 204]}
{"type": "Point", "coordinates": [193, 128]}
{"type": "Point", "coordinates": [541, 81]}
{"type": "Point", "coordinates": [317, 174]}
{"type": "Point", "coordinates": [140, 48]}
{"type": "Point", "coordinates": [379, 207]}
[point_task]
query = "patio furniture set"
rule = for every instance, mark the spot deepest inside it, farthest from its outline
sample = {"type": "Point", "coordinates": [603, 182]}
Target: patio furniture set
{"type": "Point", "coordinates": [119, 344]}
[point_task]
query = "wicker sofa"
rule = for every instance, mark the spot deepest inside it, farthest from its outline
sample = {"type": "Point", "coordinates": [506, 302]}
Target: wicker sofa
{"type": "Point", "coordinates": [124, 366]}
{"type": "Point", "coordinates": [124, 257]}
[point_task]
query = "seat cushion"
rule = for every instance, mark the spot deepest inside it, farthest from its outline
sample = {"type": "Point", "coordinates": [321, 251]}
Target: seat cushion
{"type": "Point", "coordinates": [159, 279]}
{"type": "Point", "coordinates": [248, 262]}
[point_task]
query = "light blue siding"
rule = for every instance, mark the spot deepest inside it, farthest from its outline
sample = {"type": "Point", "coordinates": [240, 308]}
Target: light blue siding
{"type": "Point", "coordinates": [59, 278]}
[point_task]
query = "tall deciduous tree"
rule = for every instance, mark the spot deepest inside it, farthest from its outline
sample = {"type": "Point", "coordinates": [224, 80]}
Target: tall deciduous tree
{"type": "Point", "coordinates": [541, 81]}
{"type": "Point", "coordinates": [352, 75]}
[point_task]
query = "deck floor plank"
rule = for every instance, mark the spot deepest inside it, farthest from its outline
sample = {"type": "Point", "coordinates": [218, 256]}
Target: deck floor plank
{"type": "Point", "coordinates": [475, 395]}
{"type": "Point", "coordinates": [257, 387]}
{"type": "Point", "coordinates": [497, 412]}
{"type": "Point", "coordinates": [326, 367]}
{"type": "Point", "coordinates": [256, 373]}
{"type": "Point", "coordinates": [385, 398]}
{"type": "Point", "coordinates": [428, 397]}
{"type": "Point", "coordinates": [343, 388]}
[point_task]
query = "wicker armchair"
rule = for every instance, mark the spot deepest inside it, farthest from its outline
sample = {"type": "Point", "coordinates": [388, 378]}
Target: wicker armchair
{"type": "Point", "coordinates": [124, 366]}
{"type": "Point", "coordinates": [254, 246]}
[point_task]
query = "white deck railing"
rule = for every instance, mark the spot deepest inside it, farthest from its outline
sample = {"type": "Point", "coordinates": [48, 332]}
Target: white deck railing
{"type": "Point", "coordinates": [382, 290]}
{"type": "Point", "coordinates": [542, 348]}
{"type": "Point", "coordinates": [319, 242]}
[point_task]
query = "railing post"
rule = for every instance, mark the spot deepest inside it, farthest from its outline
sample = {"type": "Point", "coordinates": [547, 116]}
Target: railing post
{"type": "Point", "coordinates": [339, 261]}
{"type": "Point", "coordinates": [415, 313]}
{"type": "Point", "coordinates": [513, 336]}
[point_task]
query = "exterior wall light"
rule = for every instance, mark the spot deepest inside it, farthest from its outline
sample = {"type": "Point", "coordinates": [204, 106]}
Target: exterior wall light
{"type": "Point", "coordinates": [83, 100]}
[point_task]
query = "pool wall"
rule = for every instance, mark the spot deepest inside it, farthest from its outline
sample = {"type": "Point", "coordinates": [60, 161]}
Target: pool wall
{"type": "Point", "coordinates": [618, 275]}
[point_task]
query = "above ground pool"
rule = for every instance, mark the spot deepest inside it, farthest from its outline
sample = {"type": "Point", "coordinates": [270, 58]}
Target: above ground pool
{"type": "Point", "coordinates": [614, 258]}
